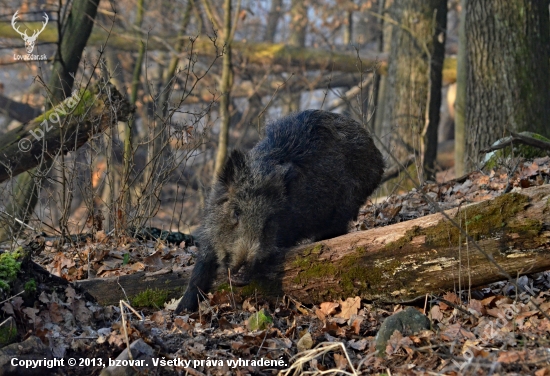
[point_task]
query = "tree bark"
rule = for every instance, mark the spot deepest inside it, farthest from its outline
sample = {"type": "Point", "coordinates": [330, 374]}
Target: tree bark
{"type": "Point", "coordinates": [460, 102]}
{"type": "Point", "coordinates": [273, 20]}
{"type": "Point", "coordinates": [508, 83]}
{"type": "Point", "coordinates": [396, 263]}
{"type": "Point", "coordinates": [225, 100]}
{"type": "Point", "coordinates": [45, 136]}
{"type": "Point", "coordinates": [296, 38]}
{"type": "Point", "coordinates": [433, 107]}
{"type": "Point", "coordinates": [415, 64]}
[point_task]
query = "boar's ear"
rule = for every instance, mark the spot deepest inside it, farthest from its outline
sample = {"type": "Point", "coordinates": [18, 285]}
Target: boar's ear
{"type": "Point", "coordinates": [235, 163]}
{"type": "Point", "coordinates": [281, 176]}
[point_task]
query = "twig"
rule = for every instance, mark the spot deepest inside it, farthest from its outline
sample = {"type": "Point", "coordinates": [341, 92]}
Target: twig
{"type": "Point", "coordinates": [521, 138]}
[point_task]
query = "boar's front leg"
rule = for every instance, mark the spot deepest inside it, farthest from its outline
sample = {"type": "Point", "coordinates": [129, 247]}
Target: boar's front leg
{"type": "Point", "coordinates": [202, 277]}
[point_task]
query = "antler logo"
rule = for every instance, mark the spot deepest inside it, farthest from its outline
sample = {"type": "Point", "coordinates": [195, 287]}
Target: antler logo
{"type": "Point", "coordinates": [29, 41]}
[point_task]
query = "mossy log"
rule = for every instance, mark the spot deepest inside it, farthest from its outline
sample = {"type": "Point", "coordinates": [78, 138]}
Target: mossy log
{"type": "Point", "coordinates": [253, 53]}
{"type": "Point", "coordinates": [67, 126]}
{"type": "Point", "coordinates": [407, 260]}
{"type": "Point", "coordinates": [396, 263]}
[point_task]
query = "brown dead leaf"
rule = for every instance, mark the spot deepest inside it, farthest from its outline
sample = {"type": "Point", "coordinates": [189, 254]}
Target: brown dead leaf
{"type": "Point", "coordinates": [154, 262]}
{"type": "Point", "coordinates": [511, 356]}
{"type": "Point", "coordinates": [225, 324]}
{"type": "Point", "coordinates": [436, 314]}
{"type": "Point", "coordinates": [341, 361]}
{"type": "Point", "coordinates": [349, 307]}
{"type": "Point", "coordinates": [329, 308]}
{"type": "Point", "coordinates": [451, 332]}
{"type": "Point", "coordinates": [320, 315]}
{"type": "Point", "coordinates": [356, 324]}
{"type": "Point", "coordinates": [158, 318]}
{"type": "Point", "coordinates": [489, 301]}
{"type": "Point", "coordinates": [305, 343]}
{"type": "Point", "coordinates": [56, 313]}
{"type": "Point", "coordinates": [181, 323]}
{"type": "Point", "coordinates": [476, 306]}
{"type": "Point", "coordinates": [543, 372]}
{"type": "Point", "coordinates": [359, 345]}
{"type": "Point", "coordinates": [451, 297]}
{"type": "Point", "coordinates": [331, 328]}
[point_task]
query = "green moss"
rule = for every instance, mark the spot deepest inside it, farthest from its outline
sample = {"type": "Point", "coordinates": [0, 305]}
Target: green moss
{"type": "Point", "coordinates": [224, 287]}
{"type": "Point", "coordinates": [87, 98]}
{"type": "Point", "coordinates": [482, 220]}
{"type": "Point", "coordinates": [9, 267]}
{"type": "Point", "coordinates": [356, 278]}
{"type": "Point", "coordinates": [350, 271]}
{"type": "Point", "coordinates": [151, 298]}
{"type": "Point", "coordinates": [8, 334]}
{"type": "Point", "coordinates": [259, 320]}
{"type": "Point", "coordinates": [30, 286]}
{"type": "Point", "coordinates": [257, 287]}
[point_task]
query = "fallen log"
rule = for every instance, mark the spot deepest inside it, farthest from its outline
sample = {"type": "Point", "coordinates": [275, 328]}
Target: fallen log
{"type": "Point", "coordinates": [404, 261]}
{"type": "Point", "coordinates": [253, 53]}
{"type": "Point", "coordinates": [396, 263]}
{"type": "Point", "coordinates": [67, 126]}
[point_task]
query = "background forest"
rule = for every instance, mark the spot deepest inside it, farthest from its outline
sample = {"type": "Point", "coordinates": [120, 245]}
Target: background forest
{"type": "Point", "coordinates": [204, 77]}
{"type": "Point", "coordinates": [116, 116]}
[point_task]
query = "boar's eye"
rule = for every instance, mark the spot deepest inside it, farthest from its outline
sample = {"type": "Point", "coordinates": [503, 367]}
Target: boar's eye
{"type": "Point", "coordinates": [235, 213]}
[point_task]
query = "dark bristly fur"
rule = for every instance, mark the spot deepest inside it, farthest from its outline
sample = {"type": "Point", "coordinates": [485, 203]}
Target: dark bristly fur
{"type": "Point", "coordinates": [305, 180]}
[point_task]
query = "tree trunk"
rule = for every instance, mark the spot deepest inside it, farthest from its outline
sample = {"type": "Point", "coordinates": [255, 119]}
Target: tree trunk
{"type": "Point", "coordinates": [297, 38]}
{"type": "Point", "coordinates": [508, 83]}
{"type": "Point", "coordinates": [75, 35]}
{"type": "Point", "coordinates": [273, 20]}
{"type": "Point", "coordinates": [461, 83]}
{"type": "Point", "coordinates": [129, 132]}
{"type": "Point", "coordinates": [415, 60]}
{"type": "Point", "coordinates": [225, 100]}
{"type": "Point", "coordinates": [437, 57]}
{"type": "Point", "coordinates": [347, 29]}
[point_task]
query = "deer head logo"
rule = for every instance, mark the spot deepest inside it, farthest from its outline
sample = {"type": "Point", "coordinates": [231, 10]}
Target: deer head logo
{"type": "Point", "coordinates": [29, 41]}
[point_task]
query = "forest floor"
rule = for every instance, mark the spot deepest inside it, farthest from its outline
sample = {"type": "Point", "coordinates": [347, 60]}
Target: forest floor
{"type": "Point", "coordinates": [488, 330]}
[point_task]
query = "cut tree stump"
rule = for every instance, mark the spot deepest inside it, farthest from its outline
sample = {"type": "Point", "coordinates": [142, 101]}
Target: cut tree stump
{"type": "Point", "coordinates": [396, 263]}
{"type": "Point", "coordinates": [68, 126]}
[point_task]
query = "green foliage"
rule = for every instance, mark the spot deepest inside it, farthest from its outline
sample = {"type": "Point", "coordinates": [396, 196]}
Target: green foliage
{"type": "Point", "coordinates": [126, 259]}
{"type": "Point", "coordinates": [259, 320]}
{"type": "Point", "coordinates": [9, 266]}
{"type": "Point", "coordinates": [31, 286]}
{"type": "Point", "coordinates": [150, 298]}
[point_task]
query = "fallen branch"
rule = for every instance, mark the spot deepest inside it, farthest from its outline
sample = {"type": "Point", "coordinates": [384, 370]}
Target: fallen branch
{"type": "Point", "coordinates": [518, 137]}
{"type": "Point", "coordinates": [16, 110]}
